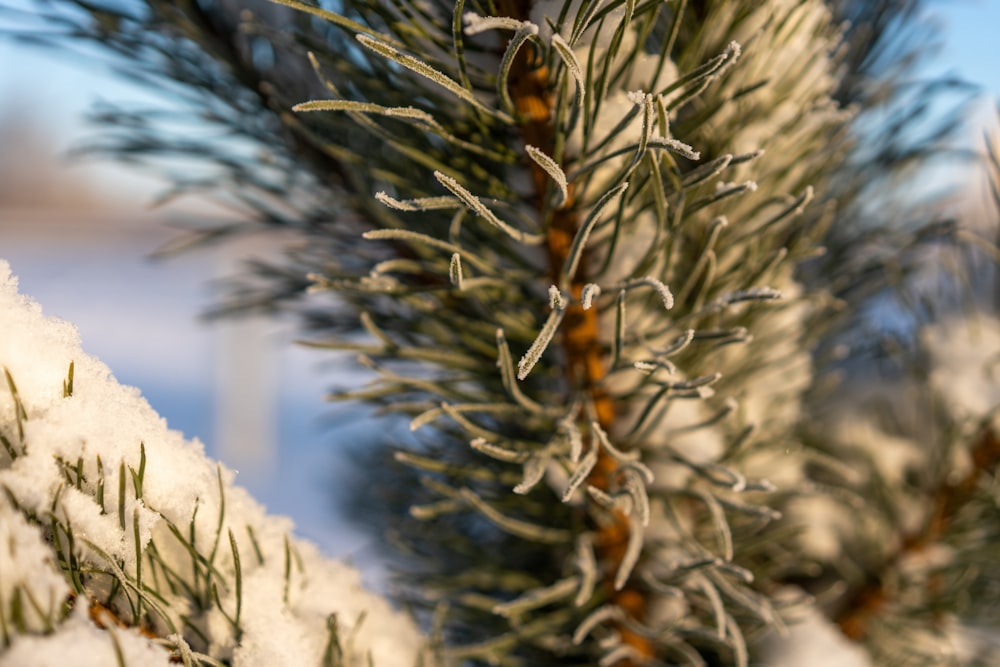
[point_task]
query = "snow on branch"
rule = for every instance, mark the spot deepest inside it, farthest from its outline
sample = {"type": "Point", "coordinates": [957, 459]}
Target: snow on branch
{"type": "Point", "coordinates": [124, 544]}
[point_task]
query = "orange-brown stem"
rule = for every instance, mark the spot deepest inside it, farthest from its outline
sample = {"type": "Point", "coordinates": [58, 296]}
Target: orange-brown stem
{"type": "Point", "coordinates": [585, 361]}
{"type": "Point", "coordinates": [102, 616]}
{"type": "Point", "coordinates": [872, 598]}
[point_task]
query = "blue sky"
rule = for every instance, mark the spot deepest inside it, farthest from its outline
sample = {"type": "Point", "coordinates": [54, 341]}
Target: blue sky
{"type": "Point", "coordinates": [970, 51]}
{"type": "Point", "coordinates": [59, 90]}
{"type": "Point", "coordinates": [971, 41]}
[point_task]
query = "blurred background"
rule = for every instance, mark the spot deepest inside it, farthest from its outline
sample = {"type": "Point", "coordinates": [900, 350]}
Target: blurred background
{"type": "Point", "coordinates": [81, 236]}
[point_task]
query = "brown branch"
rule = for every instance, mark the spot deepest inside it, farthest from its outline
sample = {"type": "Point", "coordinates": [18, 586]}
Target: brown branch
{"type": "Point", "coordinates": [585, 361]}
{"type": "Point", "coordinates": [872, 598]}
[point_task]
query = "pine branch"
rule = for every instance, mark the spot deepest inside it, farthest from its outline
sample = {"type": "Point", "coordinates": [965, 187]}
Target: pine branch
{"type": "Point", "coordinates": [945, 502]}
{"type": "Point", "coordinates": [678, 164]}
{"type": "Point", "coordinates": [585, 365]}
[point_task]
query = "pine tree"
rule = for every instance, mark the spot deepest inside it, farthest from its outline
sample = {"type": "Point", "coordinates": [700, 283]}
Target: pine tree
{"type": "Point", "coordinates": [584, 244]}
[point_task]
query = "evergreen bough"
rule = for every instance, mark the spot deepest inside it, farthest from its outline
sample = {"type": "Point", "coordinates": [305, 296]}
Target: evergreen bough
{"type": "Point", "coordinates": [584, 243]}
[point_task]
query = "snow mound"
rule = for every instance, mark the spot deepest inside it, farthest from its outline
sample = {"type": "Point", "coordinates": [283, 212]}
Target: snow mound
{"type": "Point", "coordinates": [120, 540]}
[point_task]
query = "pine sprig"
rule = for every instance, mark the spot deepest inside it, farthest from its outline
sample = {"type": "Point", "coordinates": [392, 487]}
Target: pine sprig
{"type": "Point", "coordinates": [668, 172]}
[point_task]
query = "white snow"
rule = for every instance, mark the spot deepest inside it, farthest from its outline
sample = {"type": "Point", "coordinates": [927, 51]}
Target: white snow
{"type": "Point", "coordinates": [27, 559]}
{"type": "Point", "coordinates": [89, 646]}
{"type": "Point", "coordinates": [815, 642]}
{"type": "Point", "coordinates": [147, 501]}
{"type": "Point", "coordinates": [965, 358]}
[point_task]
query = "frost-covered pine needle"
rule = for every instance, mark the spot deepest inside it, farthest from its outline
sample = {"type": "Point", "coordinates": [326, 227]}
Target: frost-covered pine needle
{"type": "Point", "coordinates": [633, 549]}
{"type": "Point", "coordinates": [336, 19]}
{"type": "Point", "coordinates": [523, 34]}
{"type": "Point", "coordinates": [586, 561]}
{"type": "Point", "coordinates": [618, 344]}
{"type": "Point", "coordinates": [568, 427]}
{"type": "Point", "coordinates": [423, 69]}
{"type": "Point", "coordinates": [728, 189]}
{"type": "Point", "coordinates": [354, 106]}
{"type": "Point", "coordinates": [590, 292]}
{"type": "Point", "coordinates": [475, 24]}
{"type": "Point", "coordinates": [619, 653]}
{"type": "Point", "coordinates": [479, 208]}
{"type": "Point", "coordinates": [556, 299]}
{"type": "Point", "coordinates": [517, 527]}
{"type": "Point", "coordinates": [507, 374]}
{"type": "Point", "coordinates": [650, 367]}
{"type": "Point", "coordinates": [580, 473]}
{"type": "Point", "coordinates": [420, 204]}
{"type": "Point", "coordinates": [554, 171]}
{"type": "Point", "coordinates": [573, 65]}
{"type": "Point", "coordinates": [583, 233]}
{"type": "Point", "coordinates": [540, 343]}
{"type": "Point", "coordinates": [604, 499]}
{"type": "Point", "coordinates": [636, 487]}
{"type": "Point", "coordinates": [666, 296]}
{"type": "Point", "coordinates": [752, 294]}
{"type": "Point", "coordinates": [534, 470]}
{"type": "Point", "coordinates": [674, 146]}
{"type": "Point", "coordinates": [498, 453]}
{"type": "Point", "coordinates": [603, 614]}
{"type": "Point", "coordinates": [739, 644]}
{"type": "Point", "coordinates": [423, 239]}
{"type": "Point", "coordinates": [538, 597]}
{"type": "Point", "coordinates": [455, 270]}
{"type": "Point", "coordinates": [730, 55]}
{"type": "Point", "coordinates": [707, 171]}
{"type": "Point", "coordinates": [614, 452]}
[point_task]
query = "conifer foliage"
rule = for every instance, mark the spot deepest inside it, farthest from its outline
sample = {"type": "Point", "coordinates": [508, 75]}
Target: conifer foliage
{"type": "Point", "coordinates": [581, 239]}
